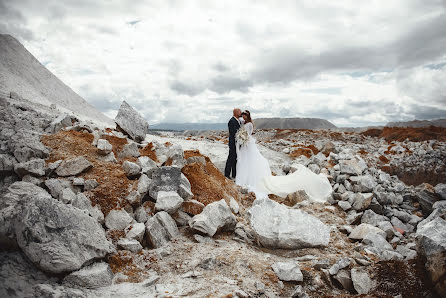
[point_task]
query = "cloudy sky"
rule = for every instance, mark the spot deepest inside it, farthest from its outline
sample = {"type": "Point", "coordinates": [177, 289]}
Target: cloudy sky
{"type": "Point", "coordinates": [351, 62]}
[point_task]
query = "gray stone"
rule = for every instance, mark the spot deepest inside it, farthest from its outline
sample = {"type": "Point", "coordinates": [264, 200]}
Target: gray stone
{"type": "Point", "coordinates": [340, 264]}
{"type": "Point", "coordinates": [354, 218]}
{"type": "Point", "coordinates": [440, 189]}
{"type": "Point", "coordinates": [26, 145]}
{"type": "Point", "coordinates": [165, 179]}
{"type": "Point", "coordinates": [118, 219]}
{"type": "Point", "coordinates": [147, 165]}
{"type": "Point", "coordinates": [299, 292]}
{"type": "Point", "coordinates": [160, 229]}
{"type": "Point", "coordinates": [400, 225]}
{"type": "Point", "coordinates": [377, 240]}
{"type": "Point", "coordinates": [73, 167]}
{"type": "Point", "coordinates": [83, 203]}
{"type": "Point", "coordinates": [363, 229]}
{"type": "Point", "coordinates": [277, 226]}
{"type": "Point", "coordinates": [288, 271]}
{"type": "Point", "coordinates": [34, 180]}
{"type": "Point", "coordinates": [387, 227]}
{"type": "Point", "coordinates": [78, 181]}
{"type": "Point", "coordinates": [181, 218]}
{"type": "Point", "coordinates": [130, 245]}
{"type": "Point", "coordinates": [361, 201]}
{"type": "Point", "coordinates": [344, 279]}
{"type": "Point", "coordinates": [407, 253]}
{"type": "Point", "coordinates": [7, 163]}
{"type": "Point", "coordinates": [168, 201]}
{"type": "Point", "coordinates": [361, 281]}
{"type": "Point", "coordinates": [234, 205]}
{"type": "Point", "coordinates": [214, 217]}
{"type": "Point", "coordinates": [135, 231]}
{"type": "Point", "coordinates": [56, 187]}
{"type": "Point", "coordinates": [321, 264]}
{"type": "Point", "coordinates": [372, 218]}
{"type": "Point", "coordinates": [90, 184]}
{"type": "Point", "coordinates": [196, 159]}
{"type": "Point", "coordinates": [185, 192]}
{"type": "Point", "coordinates": [132, 122]}
{"type": "Point", "coordinates": [426, 196]}
{"type": "Point", "coordinates": [109, 158]}
{"type": "Point", "coordinates": [104, 147]}
{"type": "Point", "coordinates": [35, 167]}
{"type": "Point", "coordinates": [130, 168]}
{"type": "Point", "coordinates": [67, 196]}
{"type": "Point", "coordinates": [366, 183]}
{"type": "Point", "coordinates": [144, 185]}
{"type": "Point", "coordinates": [57, 237]}
{"type": "Point", "coordinates": [93, 276]}
{"type": "Point", "coordinates": [129, 150]}
{"type": "Point", "coordinates": [344, 205]}
{"type": "Point", "coordinates": [142, 214]}
{"type": "Point", "coordinates": [431, 244]}
{"type": "Point", "coordinates": [62, 121]}
{"type": "Point", "coordinates": [352, 166]}
{"type": "Point", "coordinates": [134, 198]}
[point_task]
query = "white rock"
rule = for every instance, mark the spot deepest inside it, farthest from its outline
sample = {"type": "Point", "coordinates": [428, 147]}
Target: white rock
{"type": "Point", "coordinates": [168, 201]}
{"type": "Point", "coordinates": [288, 271]}
{"type": "Point", "coordinates": [363, 229]}
{"type": "Point", "coordinates": [215, 216]}
{"type": "Point", "coordinates": [234, 205]}
{"type": "Point", "coordinates": [93, 276]}
{"type": "Point", "coordinates": [278, 226]}
{"type": "Point", "coordinates": [104, 147]}
{"type": "Point", "coordinates": [131, 168]}
{"type": "Point", "coordinates": [130, 245]}
{"type": "Point", "coordinates": [160, 229]}
{"type": "Point", "coordinates": [118, 219]}
{"type": "Point", "coordinates": [135, 231]}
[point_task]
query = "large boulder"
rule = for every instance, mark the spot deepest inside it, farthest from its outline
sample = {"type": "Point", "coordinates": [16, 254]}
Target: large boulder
{"type": "Point", "coordinates": [277, 226]}
{"type": "Point", "coordinates": [59, 238]}
{"type": "Point", "coordinates": [160, 229]}
{"type": "Point", "coordinates": [35, 167]}
{"type": "Point", "coordinates": [354, 166]}
{"type": "Point", "coordinates": [431, 244]}
{"type": "Point", "coordinates": [361, 281]}
{"type": "Point", "coordinates": [131, 122]}
{"type": "Point", "coordinates": [215, 216]}
{"type": "Point", "coordinates": [73, 166]}
{"type": "Point", "coordinates": [169, 178]}
{"type": "Point", "coordinates": [93, 276]}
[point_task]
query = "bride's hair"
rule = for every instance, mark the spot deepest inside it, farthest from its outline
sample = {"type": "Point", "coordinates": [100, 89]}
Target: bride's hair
{"type": "Point", "coordinates": [248, 115]}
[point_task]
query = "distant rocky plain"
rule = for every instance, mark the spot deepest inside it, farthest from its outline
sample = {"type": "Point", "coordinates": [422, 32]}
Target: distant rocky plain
{"type": "Point", "coordinates": [89, 209]}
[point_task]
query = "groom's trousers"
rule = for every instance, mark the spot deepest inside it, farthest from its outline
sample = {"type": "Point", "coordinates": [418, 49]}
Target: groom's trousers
{"type": "Point", "coordinates": [231, 163]}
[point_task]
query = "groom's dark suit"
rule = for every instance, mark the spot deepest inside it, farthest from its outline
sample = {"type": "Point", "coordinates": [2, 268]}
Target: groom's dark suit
{"type": "Point", "coordinates": [231, 163]}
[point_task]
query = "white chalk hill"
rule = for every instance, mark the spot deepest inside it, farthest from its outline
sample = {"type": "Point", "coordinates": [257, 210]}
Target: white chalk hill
{"type": "Point", "coordinates": [22, 73]}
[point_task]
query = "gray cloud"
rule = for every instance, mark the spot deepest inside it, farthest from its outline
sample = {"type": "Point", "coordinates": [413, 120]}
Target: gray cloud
{"type": "Point", "coordinates": [185, 88]}
{"type": "Point", "coordinates": [13, 22]}
{"type": "Point", "coordinates": [421, 112]}
{"type": "Point", "coordinates": [225, 83]}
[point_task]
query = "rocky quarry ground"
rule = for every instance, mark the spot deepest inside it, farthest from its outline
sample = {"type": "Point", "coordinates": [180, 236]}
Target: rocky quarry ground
{"type": "Point", "coordinates": [92, 212]}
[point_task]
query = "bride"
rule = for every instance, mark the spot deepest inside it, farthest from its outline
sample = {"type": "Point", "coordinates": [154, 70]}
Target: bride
{"type": "Point", "coordinates": [253, 172]}
{"type": "Point", "coordinates": [251, 165]}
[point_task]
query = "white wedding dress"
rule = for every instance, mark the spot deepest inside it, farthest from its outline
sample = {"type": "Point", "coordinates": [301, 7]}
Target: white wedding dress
{"type": "Point", "coordinates": [253, 172]}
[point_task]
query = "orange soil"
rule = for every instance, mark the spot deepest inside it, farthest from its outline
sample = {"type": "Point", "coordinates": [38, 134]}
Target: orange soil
{"type": "Point", "coordinates": [124, 262]}
{"type": "Point", "coordinates": [147, 151]}
{"type": "Point", "coordinates": [415, 134]}
{"type": "Point", "coordinates": [208, 184]}
{"type": "Point", "coordinates": [114, 185]}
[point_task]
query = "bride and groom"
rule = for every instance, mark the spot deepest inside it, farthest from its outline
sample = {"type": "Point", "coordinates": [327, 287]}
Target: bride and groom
{"type": "Point", "coordinates": [250, 169]}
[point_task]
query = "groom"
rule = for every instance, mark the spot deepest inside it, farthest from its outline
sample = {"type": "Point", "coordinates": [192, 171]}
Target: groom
{"type": "Point", "coordinates": [233, 125]}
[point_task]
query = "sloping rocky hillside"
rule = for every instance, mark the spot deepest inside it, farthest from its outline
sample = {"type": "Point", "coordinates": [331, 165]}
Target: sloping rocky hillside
{"type": "Point", "coordinates": [22, 74]}
{"type": "Point", "coordinates": [293, 123]}
{"type": "Point", "coordinates": [90, 212]}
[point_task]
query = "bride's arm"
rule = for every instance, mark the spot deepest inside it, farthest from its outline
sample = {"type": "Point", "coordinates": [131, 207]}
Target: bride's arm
{"type": "Point", "coordinates": [249, 128]}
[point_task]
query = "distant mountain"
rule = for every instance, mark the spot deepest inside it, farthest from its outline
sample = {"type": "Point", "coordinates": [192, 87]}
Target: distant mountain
{"type": "Point", "coordinates": [418, 123]}
{"type": "Point", "coordinates": [189, 126]}
{"type": "Point", "coordinates": [22, 73]}
{"type": "Point", "coordinates": [296, 123]}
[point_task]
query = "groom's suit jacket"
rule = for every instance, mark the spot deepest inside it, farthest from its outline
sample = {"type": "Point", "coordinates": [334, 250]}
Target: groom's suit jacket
{"type": "Point", "coordinates": [233, 126]}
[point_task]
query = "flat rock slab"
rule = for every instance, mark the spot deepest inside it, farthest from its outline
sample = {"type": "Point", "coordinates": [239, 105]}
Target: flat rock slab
{"type": "Point", "coordinates": [277, 226]}
{"type": "Point", "coordinates": [131, 122]}
{"type": "Point", "coordinates": [94, 276]}
{"type": "Point", "coordinates": [160, 229]}
{"type": "Point", "coordinates": [59, 238]}
{"type": "Point", "coordinates": [288, 271]}
{"type": "Point", "coordinates": [74, 166]}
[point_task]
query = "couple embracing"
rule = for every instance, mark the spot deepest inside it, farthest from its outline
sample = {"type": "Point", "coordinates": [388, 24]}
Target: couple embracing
{"type": "Point", "coordinates": [250, 169]}
{"type": "Point", "coordinates": [245, 163]}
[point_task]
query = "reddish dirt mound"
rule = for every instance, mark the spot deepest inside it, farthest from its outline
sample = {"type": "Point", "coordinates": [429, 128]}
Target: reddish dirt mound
{"type": "Point", "coordinates": [148, 151]}
{"type": "Point", "coordinates": [308, 151]}
{"type": "Point", "coordinates": [415, 134]}
{"type": "Point", "coordinates": [207, 182]}
{"type": "Point", "coordinates": [127, 263]}
{"type": "Point", "coordinates": [114, 185]}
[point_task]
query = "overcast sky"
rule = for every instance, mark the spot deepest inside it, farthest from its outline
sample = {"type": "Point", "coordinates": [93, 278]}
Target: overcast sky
{"type": "Point", "coordinates": [193, 61]}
